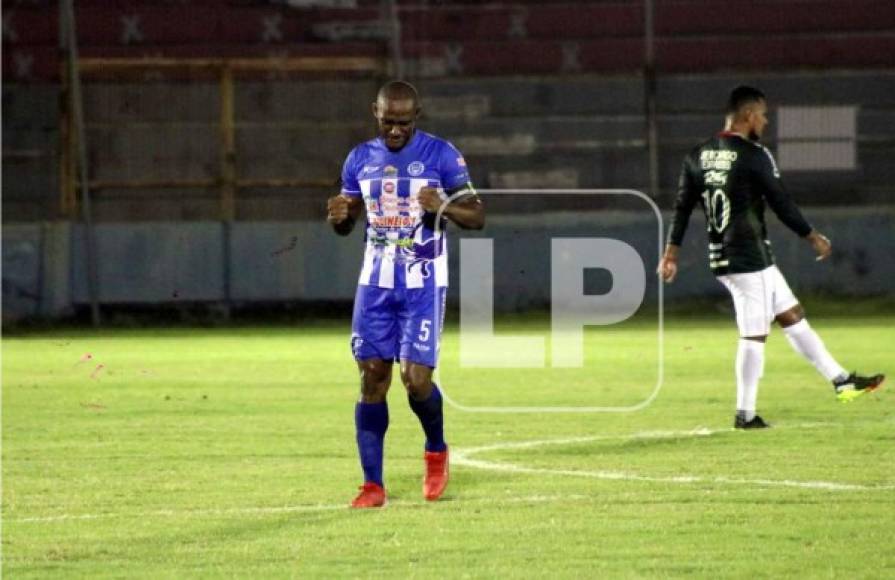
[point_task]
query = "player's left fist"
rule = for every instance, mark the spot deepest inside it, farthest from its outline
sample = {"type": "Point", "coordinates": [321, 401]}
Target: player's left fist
{"type": "Point", "coordinates": [429, 199]}
{"type": "Point", "coordinates": [821, 245]}
{"type": "Point", "coordinates": [667, 269]}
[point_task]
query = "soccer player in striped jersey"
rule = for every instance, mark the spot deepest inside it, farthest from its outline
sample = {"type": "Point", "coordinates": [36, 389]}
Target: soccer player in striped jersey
{"type": "Point", "coordinates": [401, 179]}
{"type": "Point", "coordinates": [733, 177]}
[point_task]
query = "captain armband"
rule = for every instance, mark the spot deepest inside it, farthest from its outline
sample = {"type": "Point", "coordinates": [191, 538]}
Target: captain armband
{"type": "Point", "coordinates": [464, 192]}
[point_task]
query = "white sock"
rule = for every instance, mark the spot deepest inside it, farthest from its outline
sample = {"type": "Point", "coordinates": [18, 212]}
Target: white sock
{"type": "Point", "coordinates": [749, 368]}
{"type": "Point", "coordinates": [807, 343]}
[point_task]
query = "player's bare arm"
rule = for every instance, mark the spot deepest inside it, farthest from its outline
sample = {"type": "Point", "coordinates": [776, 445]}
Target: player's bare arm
{"type": "Point", "coordinates": [468, 212]}
{"type": "Point", "coordinates": [342, 212]}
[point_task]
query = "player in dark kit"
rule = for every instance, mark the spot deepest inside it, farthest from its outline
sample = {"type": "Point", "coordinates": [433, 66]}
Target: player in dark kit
{"type": "Point", "coordinates": [402, 178]}
{"type": "Point", "coordinates": [733, 177]}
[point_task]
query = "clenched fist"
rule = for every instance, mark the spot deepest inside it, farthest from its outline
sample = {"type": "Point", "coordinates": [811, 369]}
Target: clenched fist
{"type": "Point", "coordinates": [821, 245]}
{"type": "Point", "coordinates": [429, 199]}
{"type": "Point", "coordinates": [667, 269]}
{"type": "Point", "coordinates": [337, 209]}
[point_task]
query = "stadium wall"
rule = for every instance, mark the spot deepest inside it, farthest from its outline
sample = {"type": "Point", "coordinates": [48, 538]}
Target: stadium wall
{"type": "Point", "coordinates": [575, 131]}
{"type": "Point", "coordinates": [170, 263]}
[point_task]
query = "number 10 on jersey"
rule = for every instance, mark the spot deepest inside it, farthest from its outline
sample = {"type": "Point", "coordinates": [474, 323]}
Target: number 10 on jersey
{"type": "Point", "coordinates": [717, 210]}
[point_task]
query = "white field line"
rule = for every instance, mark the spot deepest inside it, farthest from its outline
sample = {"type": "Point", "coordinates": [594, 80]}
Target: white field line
{"type": "Point", "coordinates": [464, 457]}
{"type": "Point", "coordinates": [311, 508]}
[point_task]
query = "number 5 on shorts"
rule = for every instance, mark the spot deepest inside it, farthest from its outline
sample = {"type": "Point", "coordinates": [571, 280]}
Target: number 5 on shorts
{"type": "Point", "coordinates": [424, 330]}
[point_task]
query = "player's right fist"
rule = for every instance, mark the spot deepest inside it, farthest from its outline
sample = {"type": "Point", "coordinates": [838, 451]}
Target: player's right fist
{"type": "Point", "coordinates": [337, 209]}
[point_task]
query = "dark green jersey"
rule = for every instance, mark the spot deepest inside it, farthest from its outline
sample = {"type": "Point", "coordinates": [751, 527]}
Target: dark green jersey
{"type": "Point", "coordinates": [732, 178]}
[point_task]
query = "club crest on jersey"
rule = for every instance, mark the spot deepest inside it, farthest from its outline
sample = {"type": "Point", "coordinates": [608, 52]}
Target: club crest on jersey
{"type": "Point", "coordinates": [390, 171]}
{"type": "Point", "coordinates": [416, 169]}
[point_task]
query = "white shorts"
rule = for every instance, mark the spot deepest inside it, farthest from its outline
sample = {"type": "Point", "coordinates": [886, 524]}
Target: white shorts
{"type": "Point", "coordinates": [758, 297]}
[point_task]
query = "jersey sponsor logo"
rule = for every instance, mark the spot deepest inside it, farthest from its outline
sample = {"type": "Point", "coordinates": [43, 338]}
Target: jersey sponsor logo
{"type": "Point", "coordinates": [390, 204]}
{"type": "Point", "coordinates": [714, 177]}
{"type": "Point", "coordinates": [425, 271]}
{"type": "Point", "coordinates": [462, 177]}
{"type": "Point", "coordinates": [392, 221]}
{"type": "Point", "coordinates": [720, 159]}
{"type": "Point", "coordinates": [416, 168]}
{"type": "Point", "coordinates": [405, 243]}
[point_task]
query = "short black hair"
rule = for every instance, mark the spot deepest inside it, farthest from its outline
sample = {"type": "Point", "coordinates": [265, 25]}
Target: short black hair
{"type": "Point", "coordinates": [743, 95]}
{"type": "Point", "coordinates": [398, 91]}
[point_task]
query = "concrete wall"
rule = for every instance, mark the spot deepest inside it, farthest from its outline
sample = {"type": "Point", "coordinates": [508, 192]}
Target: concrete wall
{"type": "Point", "coordinates": [571, 131]}
{"type": "Point", "coordinates": [44, 270]}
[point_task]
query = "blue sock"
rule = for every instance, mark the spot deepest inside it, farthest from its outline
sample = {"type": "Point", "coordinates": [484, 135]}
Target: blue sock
{"type": "Point", "coordinates": [371, 421]}
{"type": "Point", "coordinates": [431, 418]}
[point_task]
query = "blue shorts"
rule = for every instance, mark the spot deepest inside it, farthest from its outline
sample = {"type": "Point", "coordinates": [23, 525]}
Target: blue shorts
{"type": "Point", "coordinates": [402, 323]}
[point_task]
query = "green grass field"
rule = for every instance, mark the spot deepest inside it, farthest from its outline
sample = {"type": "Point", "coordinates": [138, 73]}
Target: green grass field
{"type": "Point", "coordinates": [230, 453]}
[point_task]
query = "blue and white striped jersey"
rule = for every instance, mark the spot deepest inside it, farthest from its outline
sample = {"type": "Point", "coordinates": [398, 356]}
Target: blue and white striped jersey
{"type": "Point", "coordinates": [402, 248]}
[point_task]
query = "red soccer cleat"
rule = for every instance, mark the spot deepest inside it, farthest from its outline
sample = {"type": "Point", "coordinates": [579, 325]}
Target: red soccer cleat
{"type": "Point", "coordinates": [372, 495]}
{"type": "Point", "coordinates": [437, 474]}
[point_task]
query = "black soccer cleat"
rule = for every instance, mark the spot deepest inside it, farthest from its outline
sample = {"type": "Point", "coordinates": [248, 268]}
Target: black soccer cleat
{"type": "Point", "coordinates": [755, 423]}
{"type": "Point", "coordinates": [855, 385]}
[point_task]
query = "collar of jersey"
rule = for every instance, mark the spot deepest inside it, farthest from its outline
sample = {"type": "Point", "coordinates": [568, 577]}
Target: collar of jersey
{"type": "Point", "coordinates": [381, 142]}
